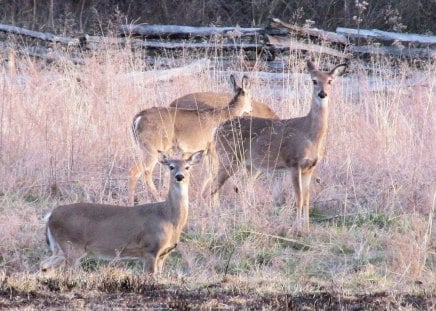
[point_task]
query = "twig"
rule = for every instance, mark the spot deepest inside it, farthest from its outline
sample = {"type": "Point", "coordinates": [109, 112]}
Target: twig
{"type": "Point", "coordinates": [228, 261]}
{"type": "Point", "coordinates": [279, 238]}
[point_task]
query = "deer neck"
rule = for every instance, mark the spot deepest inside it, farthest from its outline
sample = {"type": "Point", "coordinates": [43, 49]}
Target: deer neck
{"type": "Point", "coordinates": [234, 109]}
{"type": "Point", "coordinates": [178, 200]}
{"type": "Point", "coordinates": [318, 119]}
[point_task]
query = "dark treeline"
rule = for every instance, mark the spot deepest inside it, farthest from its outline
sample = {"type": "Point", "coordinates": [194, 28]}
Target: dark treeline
{"type": "Point", "coordinates": [97, 16]}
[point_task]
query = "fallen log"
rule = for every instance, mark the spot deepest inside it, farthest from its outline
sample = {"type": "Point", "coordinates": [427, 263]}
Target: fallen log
{"type": "Point", "coordinates": [153, 31]}
{"type": "Point", "coordinates": [312, 32]}
{"type": "Point", "coordinates": [153, 76]}
{"type": "Point", "coordinates": [97, 43]}
{"type": "Point", "coordinates": [195, 45]}
{"type": "Point", "coordinates": [45, 36]}
{"type": "Point", "coordinates": [280, 43]}
{"type": "Point", "coordinates": [395, 51]}
{"type": "Point", "coordinates": [49, 55]}
{"type": "Point", "coordinates": [386, 35]}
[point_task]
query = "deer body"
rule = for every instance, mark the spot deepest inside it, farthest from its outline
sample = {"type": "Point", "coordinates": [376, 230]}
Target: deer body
{"type": "Point", "coordinates": [216, 101]}
{"type": "Point", "coordinates": [294, 144]}
{"type": "Point", "coordinates": [148, 232]}
{"type": "Point", "coordinates": [162, 128]}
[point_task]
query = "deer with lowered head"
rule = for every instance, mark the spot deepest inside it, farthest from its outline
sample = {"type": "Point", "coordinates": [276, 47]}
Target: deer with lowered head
{"type": "Point", "coordinates": [162, 128]}
{"type": "Point", "coordinates": [148, 232]}
{"type": "Point", "coordinates": [291, 144]}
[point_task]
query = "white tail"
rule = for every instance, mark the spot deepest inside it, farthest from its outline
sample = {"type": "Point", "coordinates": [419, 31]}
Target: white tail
{"type": "Point", "coordinates": [148, 232]}
{"type": "Point", "coordinates": [295, 144]}
{"type": "Point", "coordinates": [162, 128]}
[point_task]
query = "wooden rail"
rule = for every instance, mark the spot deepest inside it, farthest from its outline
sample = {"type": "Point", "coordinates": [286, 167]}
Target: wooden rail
{"type": "Point", "coordinates": [277, 38]}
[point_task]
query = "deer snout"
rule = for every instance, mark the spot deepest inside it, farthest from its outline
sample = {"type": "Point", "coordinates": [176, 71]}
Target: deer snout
{"type": "Point", "coordinates": [179, 177]}
{"type": "Point", "coordinates": [322, 94]}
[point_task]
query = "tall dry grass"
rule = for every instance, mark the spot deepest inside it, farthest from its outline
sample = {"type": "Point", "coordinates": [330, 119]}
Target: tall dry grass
{"type": "Point", "coordinates": [65, 137]}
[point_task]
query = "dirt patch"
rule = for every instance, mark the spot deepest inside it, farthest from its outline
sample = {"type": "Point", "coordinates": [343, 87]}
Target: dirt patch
{"type": "Point", "coordinates": [153, 296]}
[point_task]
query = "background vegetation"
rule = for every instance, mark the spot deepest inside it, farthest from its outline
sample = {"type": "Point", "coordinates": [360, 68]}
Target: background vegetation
{"type": "Point", "coordinates": [65, 137]}
{"type": "Point", "coordinates": [93, 16]}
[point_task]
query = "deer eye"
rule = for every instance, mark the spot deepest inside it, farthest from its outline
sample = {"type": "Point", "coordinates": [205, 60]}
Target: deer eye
{"type": "Point", "coordinates": [329, 81]}
{"type": "Point", "coordinates": [187, 168]}
{"type": "Point", "coordinates": [315, 82]}
{"type": "Point", "coordinates": [172, 167]}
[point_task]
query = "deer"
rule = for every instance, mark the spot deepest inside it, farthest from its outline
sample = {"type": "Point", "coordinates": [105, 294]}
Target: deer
{"type": "Point", "coordinates": [202, 101]}
{"type": "Point", "coordinates": [295, 144]}
{"type": "Point", "coordinates": [215, 101]}
{"type": "Point", "coordinates": [162, 128]}
{"type": "Point", "coordinates": [149, 232]}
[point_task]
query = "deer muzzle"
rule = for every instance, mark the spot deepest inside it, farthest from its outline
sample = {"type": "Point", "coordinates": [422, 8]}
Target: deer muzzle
{"type": "Point", "coordinates": [322, 94]}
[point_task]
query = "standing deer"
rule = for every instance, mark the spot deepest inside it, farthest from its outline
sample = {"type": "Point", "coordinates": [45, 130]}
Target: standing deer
{"type": "Point", "coordinates": [149, 232]}
{"type": "Point", "coordinates": [216, 101]}
{"type": "Point", "coordinates": [294, 144]}
{"type": "Point", "coordinates": [161, 128]}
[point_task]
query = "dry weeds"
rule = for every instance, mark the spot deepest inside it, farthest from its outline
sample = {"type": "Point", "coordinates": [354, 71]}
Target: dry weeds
{"type": "Point", "coordinates": [65, 137]}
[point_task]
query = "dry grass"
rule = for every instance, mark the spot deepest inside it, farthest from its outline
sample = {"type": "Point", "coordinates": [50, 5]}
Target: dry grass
{"type": "Point", "coordinates": [65, 137]}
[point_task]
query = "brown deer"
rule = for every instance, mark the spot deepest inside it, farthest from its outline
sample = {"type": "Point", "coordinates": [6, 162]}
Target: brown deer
{"type": "Point", "coordinates": [149, 232]}
{"type": "Point", "coordinates": [295, 144]}
{"type": "Point", "coordinates": [162, 128]}
{"type": "Point", "coordinates": [216, 101]}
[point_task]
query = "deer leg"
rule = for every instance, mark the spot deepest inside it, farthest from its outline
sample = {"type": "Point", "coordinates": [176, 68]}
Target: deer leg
{"type": "Point", "coordinates": [163, 256]}
{"type": "Point", "coordinates": [73, 254]}
{"type": "Point", "coordinates": [296, 179]}
{"type": "Point", "coordinates": [150, 263]}
{"type": "Point", "coordinates": [253, 174]}
{"type": "Point", "coordinates": [146, 168]}
{"type": "Point", "coordinates": [135, 173]}
{"type": "Point", "coordinates": [305, 183]}
{"type": "Point", "coordinates": [55, 260]}
{"type": "Point", "coordinates": [212, 163]}
{"type": "Point", "coordinates": [223, 174]}
{"type": "Point", "coordinates": [161, 261]}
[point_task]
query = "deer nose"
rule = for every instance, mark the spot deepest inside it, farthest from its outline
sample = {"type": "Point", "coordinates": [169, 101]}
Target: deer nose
{"type": "Point", "coordinates": [179, 177]}
{"type": "Point", "coordinates": [322, 94]}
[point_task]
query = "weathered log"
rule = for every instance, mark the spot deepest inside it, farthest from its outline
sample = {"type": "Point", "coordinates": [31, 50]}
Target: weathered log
{"type": "Point", "coordinates": [195, 45]}
{"type": "Point", "coordinates": [386, 36]}
{"type": "Point", "coordinates": [167, 74]}
{"type": "Point", "coordinates": [395, 51]}
{"type": "Point", "coordinates": [313, 32]}
{"type": "Point", "coordinates": [45, 36]}
{"type": "Point", "coordinates": [154, 31]}
{"type": "Point", "coordinates": [281, 43]}
{"type": "Point", "coordinates": [49, 55]}
{"type": "Point", "coordinates": [97, 43]}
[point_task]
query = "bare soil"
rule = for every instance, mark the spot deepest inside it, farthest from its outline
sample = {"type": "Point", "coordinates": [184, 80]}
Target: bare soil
{"type": "Point", "coordinates": [164, 297]}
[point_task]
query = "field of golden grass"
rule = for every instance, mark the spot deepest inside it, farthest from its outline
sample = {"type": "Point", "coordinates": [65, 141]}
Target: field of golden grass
{"type": "Point", "coordinates": [65, 137]}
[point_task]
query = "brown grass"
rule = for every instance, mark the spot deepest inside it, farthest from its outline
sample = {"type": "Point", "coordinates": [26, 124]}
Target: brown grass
{"type": "Point", "coordinates": [65, 137]}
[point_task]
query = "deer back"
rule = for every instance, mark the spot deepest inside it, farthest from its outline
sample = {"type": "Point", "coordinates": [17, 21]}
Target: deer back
{"type": "Point", "coordinates": [190, 130]}
{"type": "Point", "coordinates": [216, 101]}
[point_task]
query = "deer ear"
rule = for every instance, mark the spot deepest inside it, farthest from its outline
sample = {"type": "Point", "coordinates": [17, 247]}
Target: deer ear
{"type": "Point", "coordinates": [233, 83]}
{"type": "Point", "coordinates": [245, 83]}
{"type": "Point", "coordinates": [195, 157]}
{"type": "Point", "coordinates": [339, 70]}
{"type": "Point", "coordinates": [311, 66]}
{"type": "Point", "coordinates": [163, 158]}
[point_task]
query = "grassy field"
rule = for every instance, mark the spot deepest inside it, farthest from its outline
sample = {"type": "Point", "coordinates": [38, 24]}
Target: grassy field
{"type": "Point", "coordinates": [65, 137]}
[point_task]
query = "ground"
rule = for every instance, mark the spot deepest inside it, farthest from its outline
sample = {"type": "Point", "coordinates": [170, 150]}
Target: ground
{"type": "Point", "coordinates": [212, 296]}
